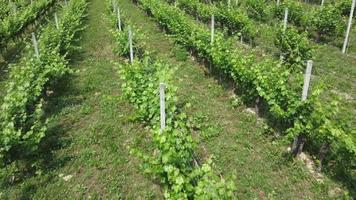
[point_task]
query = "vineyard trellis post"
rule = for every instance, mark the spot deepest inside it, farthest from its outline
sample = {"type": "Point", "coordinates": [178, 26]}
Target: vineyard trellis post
{"type": "Point", "coordinates": [307, 77]}
{"type": "Point", "coordinates": [119, 18]}
{"type": "Point", "coordinates": [114, 5]}
{"type": "Point", "coordinates": [35, 45]}
{"type": "Point", "coordinates": [349, 26]}
{"type": "Point", "coordinates": [212, 29]}
{"type": "Point", "coordinates": [300, 139]}
{"type": "Point", "coordinates": [162, 104]}
{"type": "Point", "coordinates": [56, 20]}
{"type": "Point", "coordinates": [285, 21]}
{"type": "Point", "coordinates": [322, 2]}
{"type": "Point", "coordinates": [278, 2]}
{"type": "Point", "coordinates": [130, 45]}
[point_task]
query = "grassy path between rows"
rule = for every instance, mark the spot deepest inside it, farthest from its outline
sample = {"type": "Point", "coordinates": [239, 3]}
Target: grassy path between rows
{"type": "Point", "coordinates": [86, 155]}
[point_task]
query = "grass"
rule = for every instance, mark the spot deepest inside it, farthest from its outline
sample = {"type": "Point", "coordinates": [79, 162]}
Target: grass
{"type": "Point", "coordinates": [86, 152]}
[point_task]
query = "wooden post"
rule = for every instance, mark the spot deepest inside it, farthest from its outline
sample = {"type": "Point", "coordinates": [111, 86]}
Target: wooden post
{"type": "Point", "coordinates": [349, 27]}
{"type": "Point", "coordinates": [162, 87]}
{"type": "Point", "coordinates": [212, 29]}
{"type": "Point", "coordinates": [307, 77]}
{"type": "Point", "coordinates": [285, 19]}
{"type": "Point", "coordinates": [56, 20]}
{"type": "Point", "coordinates": [119, 19]}
{"type": "Point", "coordinates": [35, 45]}
{"type": "Point", "coordinates": [131, 46]}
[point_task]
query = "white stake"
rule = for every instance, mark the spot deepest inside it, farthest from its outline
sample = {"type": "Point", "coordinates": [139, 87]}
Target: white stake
{"type": "Point", "coordinates": [285, 19]}
{"type": "Point", "coordinates": [212, 29]}
{"type": "Point", "coordinates": [162, 87]}
{"type": "Point", "coordinates": [307, 77]}
{"type": "Point", "coordinates": [114, 6]}
{"type": "Point", "coordinates": [175, 3]}
{"type": "Point", "coordinates": [322, 2]}
{"type": "Point", "coordinates": [119, 19]}
{"type": "Point", "coordinates": [66, 3]}
{"type": "Point", "coordinates": [349, 26]}
{"type": "Point", "coordinates": [130, 44]}
{"type": "Point", "coordinates": [35, 45]}
{"type": "Point", "coordinates": [278, 2]}
{"type": "Point", "coordinates": [56, 20]}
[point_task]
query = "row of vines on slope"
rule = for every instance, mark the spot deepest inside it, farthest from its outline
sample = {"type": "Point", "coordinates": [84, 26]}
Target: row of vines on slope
{"type": "Point", "coordinates": [173, 163]}
{"type": "Point", "coordinates": [266, 80]}
{"type": "Point", "coordinates": [294, 46]}
{"type": "Point", "coordinates": [14, 24]}
{"type": "Point", "coordinates": [324, 24]}
{"type": "Point", "coordinates": [22, 121]}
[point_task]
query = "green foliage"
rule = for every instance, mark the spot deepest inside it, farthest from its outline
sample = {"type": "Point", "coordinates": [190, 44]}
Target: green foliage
{"type": "Point", "coordinates": [22, 123]}
{"type": "Point", "coordinates": [344, 6]}
{"type": "Point", "coordinates": [236, 21]}
{"type": "Point", "coordinates": [318, 124]}
{"type": "Point", "coordinates": [196, 8]}
{"type": "Point", "coordinates": [257, 9]}
{"type": "Point", "coordinates": [122, 45]}
{"type": "Point", "coordinates": [295, 12]}
{"type": "Point", "coordinates": [328, 23]}
{"type": "Point", "coordinates": [122, 37]}
{"type": "Point", "coordinates": [142, 79]}
{"type": "Point", "coordinates": [14, 24]}
{"type": "Point", "coordinates": [295, 48]}
{"type": "Point", "coordinates": [200, 122]}
{"type": "Point", "coordinates": [210, 186]}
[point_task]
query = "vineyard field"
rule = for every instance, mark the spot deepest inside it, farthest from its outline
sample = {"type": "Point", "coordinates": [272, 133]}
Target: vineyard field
{"type": "Point", "coordinates": [177, 99]}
